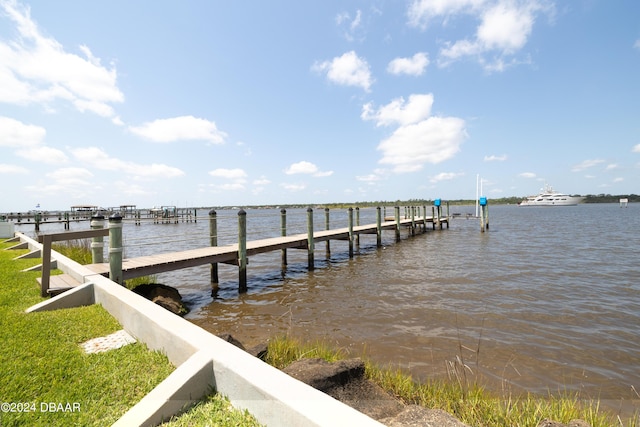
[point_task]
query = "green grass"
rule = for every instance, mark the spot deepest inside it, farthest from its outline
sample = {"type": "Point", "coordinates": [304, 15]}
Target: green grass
{"type": "Point", "coordinates": [41, 361]}
{"type": "Point", "coordinates": [214, 410]}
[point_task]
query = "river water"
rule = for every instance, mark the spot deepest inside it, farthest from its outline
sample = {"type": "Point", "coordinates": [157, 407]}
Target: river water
{"type": "Point", "coordinates": [546, 301]}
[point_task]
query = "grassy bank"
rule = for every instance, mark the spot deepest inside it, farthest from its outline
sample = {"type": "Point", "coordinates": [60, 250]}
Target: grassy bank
{"type": "Point", "coordinates": [458, 395]}
{"type": "Point", "coordinates": [46, 378]}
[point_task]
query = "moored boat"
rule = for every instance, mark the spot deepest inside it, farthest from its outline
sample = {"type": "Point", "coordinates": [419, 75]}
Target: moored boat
{"type": "Point", "coordinates": [549, 197]}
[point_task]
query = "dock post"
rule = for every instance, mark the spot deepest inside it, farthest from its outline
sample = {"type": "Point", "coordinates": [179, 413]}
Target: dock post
{"type": "Point", "coordinates": [433, 217]}
{"type": "Point", "coordinates": [213, 240]}
{"type": "Point", "coordinates": [378, 227]}
{"type": "Point", "coordinates": [115, 248]}
{"type": "Point", "coordinates": [484, 214]}
{"type": "Point", "coordinates": [283, 232]}
{"type": "Point", "coordinates": [413, 220]}
{"type": "Point", "coordinates": [37, 217]}
{"type": "Point", "coordinates": [357, 224]}
{"type": "Point", "coordinates": [310, 241]}
{"type": "Point", "coordinates": [397, 212]}
{"type": "Point", "coordinates": [350, 232]}
{"type": "Point", "coordinates": [424, 218]}
{"type": "Point", "coordinates": [97, 242]}
{"type": "Point", "coordinates": [66, 220]}
{"type": "Point", "coordinates": [242, 251]}
{"type": "Point", "coordinates": [448, 217]}
{"type": "Point", "coordinates": [326, 227]}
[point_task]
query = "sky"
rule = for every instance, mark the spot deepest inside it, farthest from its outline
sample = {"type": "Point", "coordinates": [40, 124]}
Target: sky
{"type": "Point", "coordinates": [220, 103]}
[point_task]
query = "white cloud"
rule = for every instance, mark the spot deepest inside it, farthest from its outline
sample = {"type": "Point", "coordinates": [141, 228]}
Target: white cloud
{"type": "Point", "coordinates": [12, 169]}
{"type": "Point", "coordinates": [586, 165]}
{"type": "Point", "coordinates": [433, 140]}
{"type": "Point", "coordinates": [43, 154]}
{"type": "Point", "coordinates": [419, 139]}
{"type": "Point", "coordinates": [636, 148]}
{"type": "Point", "coordinates": [14, 133]}
{"type": "Point", "coordinates": [261, 181]}
{"type": "Point", "coordinates": [415, 66]}
{"type": "Point", "coordinates": [527, 175]}
{"type": "Point", "coordinates": [228, 173]}
{"type": "Point", "coordinates": [445, 176]}
{"type": "Point", "coordinates": [503, 28]}
{"type": "Point", "coordinates": [494, 158]}
{"type": "Point", "coordinates": [421, 12]}
{"type": "Point", "coordinates": [612, 166]}
{"type": "Point", "coordinates": [293, 187]}
{"type": "Point", "coordinates": [618, 179]}
{"type": "Point", "coordinates": [71, 176]}
{"type": "Point", "coordinates": [637, 44]}
{"type": "Point", "coordinates": [37, 69]}
{"type": "Point", "coordinates": [347, 70]}
{"type": "Point", "coordinates": [180, 128]}
{"type": "Point", "coordinates": [398, 112]}
{"type": "Point", "coordinates": [352, 27]}
{"type": "Point", "coordinates": [308, 168]}
{"type": "Point", "coordinates": [98, 159]}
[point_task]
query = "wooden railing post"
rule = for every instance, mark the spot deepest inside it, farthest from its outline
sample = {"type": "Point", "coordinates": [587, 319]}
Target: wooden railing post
{"type": "Point", "coordinates": [46, 265]}
{"type": "Point", "coordinates": [327, 227]}
{"type": "Point", "coordinates": [378, 227]}
{"type": "Point", "coordinates": [242, 250]}
{"type": "Point", "coordinates": [310, 241]}
{"type": "Point", "coordinates": [213, 240]}
{"type": "Point", "coordinates": [413, 220]}
{"type": "Point", "coordinates": [283, 233]}
{"type": "Point", "coordinates": [97, 242]}
{"type": "Point", "coordinates": [115, 248]}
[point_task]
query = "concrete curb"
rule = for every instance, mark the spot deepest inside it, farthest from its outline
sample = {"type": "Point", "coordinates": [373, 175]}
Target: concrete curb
{"type": "Point", "coordinates": [204, 362]}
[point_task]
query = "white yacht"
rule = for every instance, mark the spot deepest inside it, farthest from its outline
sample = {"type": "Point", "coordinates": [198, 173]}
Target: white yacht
{"type": "Point", "coordinates": [549, 197]}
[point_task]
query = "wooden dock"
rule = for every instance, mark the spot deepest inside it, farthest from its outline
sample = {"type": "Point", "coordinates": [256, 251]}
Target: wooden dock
{"type": "Point", "coordinates": [238, 253]}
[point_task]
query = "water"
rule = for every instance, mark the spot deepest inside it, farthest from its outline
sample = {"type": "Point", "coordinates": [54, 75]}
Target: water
{"type": "Point", "coordinates": [546, 301]}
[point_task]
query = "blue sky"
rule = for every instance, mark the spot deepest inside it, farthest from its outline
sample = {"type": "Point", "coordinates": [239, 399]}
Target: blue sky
{"type": "Point", "coordinates": [211, 103]}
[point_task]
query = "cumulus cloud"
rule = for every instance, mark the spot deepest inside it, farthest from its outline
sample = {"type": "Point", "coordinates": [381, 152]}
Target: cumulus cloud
{"type": "Point", "coordinates": [352, 27]}
{"type": "Point", "coordinates": [503, 28]}
{"type": "Point", "coordinates": [586, 165]}
{"type": "Point", "coordinates": [399, 112]}
{"type": "Point", "coordinates": [12, 169]}
{"type": "Point", "coordinates": [636, 148]}
{"type": "Point", "coordinates": [37, 69]}
{"type": "Point", "coordinates": [527, 175]}
{"type": "Point", "coordinates": [293, 187]}
{"type": "Point", "coordinates": [14, 133]}
{"type": "Point", "coordinates": [99, 159]}
{"type": "Point", "coordinates": [235, 179]}
{"type": "Point", "coordinates": [347, 70]}
{"type": "Point", "coordinates": [415, 66]}
{"type": "Point", "coordinates": [445, 176]}
{"type": "Point", "coordinates": [308, 168]}
{"type": "Point", "coordinates": [43, 154]}
{"type": "Point", "coordinates": [420, 138]}
{"type": "Point", "coordinates": [494, 158]}
{"type": "Point", "coordinates": [180, 128]}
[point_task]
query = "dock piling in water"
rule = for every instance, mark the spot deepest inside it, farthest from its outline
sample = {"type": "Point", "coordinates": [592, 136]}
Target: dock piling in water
{"type": "Point", "coordinates": [115, 248]}
{"type": "Point", "coordinates": [213, 240]}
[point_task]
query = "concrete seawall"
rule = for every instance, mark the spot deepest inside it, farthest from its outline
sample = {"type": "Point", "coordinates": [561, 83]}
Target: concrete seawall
{"type": "Point", "coordinates": [204, 362]}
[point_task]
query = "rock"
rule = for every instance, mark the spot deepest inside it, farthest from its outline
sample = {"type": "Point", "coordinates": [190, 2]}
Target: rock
{"type": "Point", "coordinates": [418, 416]}
{"type": "Point", "coordinates": [345, 381]}
{"type": "Point", "coordinates": [572, 423]}
{"type": "Point", "coordinates": [230, 339]}
{"type": "Point", "coordinates": [163, 295]}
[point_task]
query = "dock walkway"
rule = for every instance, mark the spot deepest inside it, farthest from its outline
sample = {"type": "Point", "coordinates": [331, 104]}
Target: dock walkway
{"type": "Point", "coordinates": [229, 254]}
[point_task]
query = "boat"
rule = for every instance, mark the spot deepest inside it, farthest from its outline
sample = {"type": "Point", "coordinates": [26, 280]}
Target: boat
{"type": "Point", "coordinates": [549, 197]}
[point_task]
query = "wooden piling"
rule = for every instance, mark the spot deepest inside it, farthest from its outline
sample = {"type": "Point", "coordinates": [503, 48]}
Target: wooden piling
{"type": "Point", "coordinates": [310, 241]}
{"type": "Point", "coordinates": [397, 213]}
{"type": "Point", "coordinates": [378, 227]}
{"type": "Point", "coordinates": [97, 242]}
{"type": "Point", "coordinates": [283, 233]}
{"type": "Point", "coordinates": [115, 248]}
{"type": "Point", "coordinates": [242, 251]}
{"type": "Point", "coordinates": [213, 240]}
{"type": "Point", "coordinates": [327, 227]}
{"type": "Point", "coordinates": [350, 232]}
{"type": "Point", "coordinates": [484, 214]}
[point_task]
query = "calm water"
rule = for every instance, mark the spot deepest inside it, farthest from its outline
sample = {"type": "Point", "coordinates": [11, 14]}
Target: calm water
{"type": "Point", "coordinates": [547, 300]}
